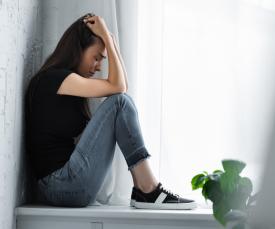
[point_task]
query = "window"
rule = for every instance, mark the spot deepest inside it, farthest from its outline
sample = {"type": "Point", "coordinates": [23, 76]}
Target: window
{"type": "Point", "coordinates": [205, 86]}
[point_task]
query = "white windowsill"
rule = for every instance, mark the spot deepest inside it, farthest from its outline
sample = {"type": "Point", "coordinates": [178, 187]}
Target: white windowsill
{"type": "Point", "coordinates": [115, 212]}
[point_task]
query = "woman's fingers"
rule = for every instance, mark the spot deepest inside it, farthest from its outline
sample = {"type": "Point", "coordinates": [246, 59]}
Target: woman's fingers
{"type": "Point", "coordinates": [90, 19]}
{"type": "Point", "coordinates": [97, 25]}
{"type": "Point", "coordinates": [89, 15]}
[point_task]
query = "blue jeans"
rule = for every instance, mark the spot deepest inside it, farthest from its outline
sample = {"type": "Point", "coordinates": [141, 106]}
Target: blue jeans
{"type": "Point", "coordinates": [77, 183]}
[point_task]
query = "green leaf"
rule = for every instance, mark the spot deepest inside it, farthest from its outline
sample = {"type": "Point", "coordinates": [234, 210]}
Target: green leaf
{"type": "Point", "coordinates": [217, 171]}
{"type": "Point", "coordinates": [206, 173]}
{"type": "Point", "coordinates": [245, 185]}
{"type": "Point", "coordinates": [219, 211]}
{"type": "Point", "coordinates": [198, 181]}
{"type": "Point", "coordinates": [214, 176]}
{"type": "Point", "coordinates": [212, 191]}
{"type": "Point", "coordinates": [228, 182]}
{"type": "Point", "coordinates": [240, 195]}
{"type": "Point", "coordinates": [237, 201]}
{"type": "Point", "coordinates": [233, 166]}
{"type": "Point", "coordinates": [204, 193]}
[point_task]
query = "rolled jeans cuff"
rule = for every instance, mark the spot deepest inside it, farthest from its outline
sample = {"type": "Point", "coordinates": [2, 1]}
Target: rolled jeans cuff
{"type": "Point", "coordinates": [138, 156]}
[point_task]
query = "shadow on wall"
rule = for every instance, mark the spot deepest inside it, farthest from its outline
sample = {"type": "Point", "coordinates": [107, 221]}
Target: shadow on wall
{"type": "Point", "coordinates": [32, 60]}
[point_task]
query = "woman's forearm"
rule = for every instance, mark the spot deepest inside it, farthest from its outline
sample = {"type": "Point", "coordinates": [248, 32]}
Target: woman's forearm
{"type": "Point", "coordinates": [115, 72]}
{"type": "Point", "coordinates": [121, 61]}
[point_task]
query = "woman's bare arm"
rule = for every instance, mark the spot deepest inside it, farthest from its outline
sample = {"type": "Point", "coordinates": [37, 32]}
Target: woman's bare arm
{"type": "Point", "coordinates": [121, 60]}
{"type": "Point", "coordinates": [76, 85]}
{"type": "Point", "coordinates": [115, 68]}
{"type": "Point", "coordinates": [116, 73]}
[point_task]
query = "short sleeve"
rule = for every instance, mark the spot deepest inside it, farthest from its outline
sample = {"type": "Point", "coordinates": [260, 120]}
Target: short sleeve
{"type": "Point", "coordinates": [52, 79]}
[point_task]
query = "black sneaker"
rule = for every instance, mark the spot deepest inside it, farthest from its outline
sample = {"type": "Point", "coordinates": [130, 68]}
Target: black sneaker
{"type": "Point", "coordinates": [160, 198]}
{"type": "Point", "coordinates": [133, 197]}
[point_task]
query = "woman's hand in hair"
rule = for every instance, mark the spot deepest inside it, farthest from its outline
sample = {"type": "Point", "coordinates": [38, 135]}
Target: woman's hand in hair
{"type": "Point", "coordinates": [98, 26]}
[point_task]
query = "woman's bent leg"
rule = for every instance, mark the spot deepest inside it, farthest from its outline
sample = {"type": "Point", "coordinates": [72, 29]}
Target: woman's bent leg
{"type": "Point", "coordinates": [115, 120]}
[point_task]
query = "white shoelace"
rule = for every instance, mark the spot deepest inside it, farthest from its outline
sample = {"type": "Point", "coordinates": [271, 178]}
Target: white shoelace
{"type": "Point", "coordinates": [169, 192]}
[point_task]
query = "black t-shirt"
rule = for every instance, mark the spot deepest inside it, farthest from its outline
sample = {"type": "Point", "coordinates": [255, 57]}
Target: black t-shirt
{"type": "Point", "coordinates": [54, 122]}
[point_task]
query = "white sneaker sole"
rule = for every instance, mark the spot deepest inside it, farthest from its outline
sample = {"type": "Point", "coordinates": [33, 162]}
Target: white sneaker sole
{"type": "Point", "coordinates": [132, 203]}
{"type": "Point", "coordinates": [172, 206]}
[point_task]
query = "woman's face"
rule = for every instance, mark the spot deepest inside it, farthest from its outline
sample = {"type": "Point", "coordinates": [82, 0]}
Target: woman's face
{"type": "Point", "coordinates": [91, 59]}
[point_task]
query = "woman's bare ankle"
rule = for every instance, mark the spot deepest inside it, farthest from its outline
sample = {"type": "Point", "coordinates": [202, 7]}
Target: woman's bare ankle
{"type": "Point", "coordinates": [147, 188]}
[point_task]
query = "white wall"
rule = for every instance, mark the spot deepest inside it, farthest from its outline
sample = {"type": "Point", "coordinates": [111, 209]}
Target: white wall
{"type": "Point", "coordinates": [19, 58]}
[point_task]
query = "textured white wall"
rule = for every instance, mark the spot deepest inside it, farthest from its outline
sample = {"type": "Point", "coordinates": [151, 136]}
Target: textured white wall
{"type": "Point", "coordinates": [19, 58]}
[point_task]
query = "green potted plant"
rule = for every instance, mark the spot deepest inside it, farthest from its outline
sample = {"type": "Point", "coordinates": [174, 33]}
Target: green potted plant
{"type": "Point", "coordinates": [229, 192]}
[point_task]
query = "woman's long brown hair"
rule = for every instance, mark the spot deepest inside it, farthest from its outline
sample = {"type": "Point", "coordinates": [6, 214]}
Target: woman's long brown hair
{"type": "Point", "coordinates": [67, 54]}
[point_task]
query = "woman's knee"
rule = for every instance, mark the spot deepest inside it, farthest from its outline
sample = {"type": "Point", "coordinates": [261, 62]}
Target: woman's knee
{"type": "Point", "coordinates": [118, 97]}
{"type": "Point", "coordinates": [121, 99]}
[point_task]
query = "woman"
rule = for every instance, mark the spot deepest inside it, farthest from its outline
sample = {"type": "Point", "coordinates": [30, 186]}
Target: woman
{"type": "Point", "coordinates": [70, 173]}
